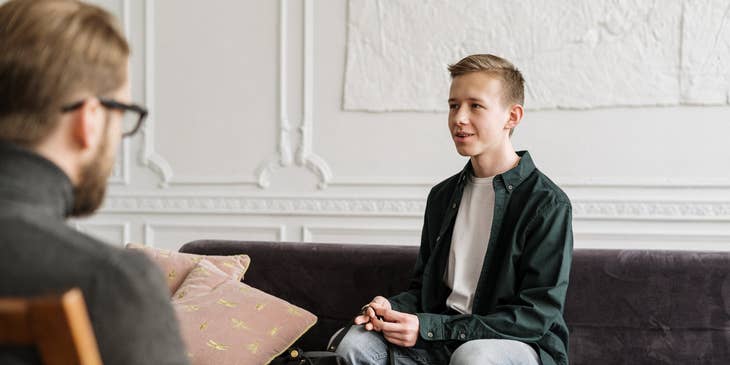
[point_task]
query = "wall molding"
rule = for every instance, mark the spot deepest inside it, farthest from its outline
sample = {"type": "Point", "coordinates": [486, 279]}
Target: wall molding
{"type": "Point", "coordinates": [583, 209]}
{"type": "Point", "coordinates": [88, 227]}
{"type": "Point", "coordinates": [149, 157]}
{"type": "Point", "coordinates": [311, 230]}
{"type": "Point", "coordinates": [202, 181]}
{"type": "Point", "coordinates": [272, 205]}
{"type": "Point", "coordinates": [651, 210]}
{"type": "Point", "coordinates": [305, 155]}
{"type": "Point", "coordinates": [279, 230]}
{"type": "Point", "coordinates": [664, 240]}
{"type": "Point", "coordinates": [121, 174]}
{"type": "Point", "coordinates": [284, 156]}
{"type": "Point", "coordinates": [566, 182]}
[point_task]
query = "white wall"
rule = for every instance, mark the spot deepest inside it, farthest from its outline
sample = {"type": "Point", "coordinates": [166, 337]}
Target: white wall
{"type": "Point", "coordinates": [269, 123]}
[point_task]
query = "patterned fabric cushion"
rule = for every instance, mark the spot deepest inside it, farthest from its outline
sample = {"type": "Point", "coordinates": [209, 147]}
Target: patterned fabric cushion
{"type": "Point", "coordinates": [224, 321]}
{"type": "Point", "coordinates": [176, 266]}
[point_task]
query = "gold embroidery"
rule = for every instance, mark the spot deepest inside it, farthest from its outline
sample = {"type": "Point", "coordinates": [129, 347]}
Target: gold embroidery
{"type": "Point", "coordinates": [192, 308]}
{"type": "Point", "coordinates": [229, 264]}
{"type": "Point", "coordinates": [195, 260]}
{"type": "Point", "coordinates": [217, 346]}
{"type": "Point", "coordinates": [274, 331]}
{"type": "Point", "coordinates": [171, 275]}
{"type": "Point", "coordinates": [294, 311]}
{"type": "Point", "coordinates": [182, 294]}
{"type": "Point", "coordinates": [226, 303]}
{"type": "Point", "coordinates": [200, 271]}
{"type": "Point", "coordinates": [237, 323]}
{"type": "Point", "coordinates": [253, 347]}
{"type": "Point", "coordinates": [203, 326]}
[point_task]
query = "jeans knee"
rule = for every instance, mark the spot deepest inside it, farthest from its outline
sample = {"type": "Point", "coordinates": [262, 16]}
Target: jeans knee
{"type": "Point", "coordinates": [493, 352]}
{"type": "Point", "coordinates": [348, 343]}
{"type": "Point", "coordinates": [470, 354]}
{"type": "Point", "coordinates": [361, 347]}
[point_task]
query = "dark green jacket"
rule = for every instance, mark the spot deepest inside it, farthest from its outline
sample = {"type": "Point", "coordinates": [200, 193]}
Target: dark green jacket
{"type": "Point", "coordinates": [521, 291]}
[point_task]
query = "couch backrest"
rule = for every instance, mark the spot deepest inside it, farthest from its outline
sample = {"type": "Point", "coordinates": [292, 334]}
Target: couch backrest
{"type": "Point", "coordinates": [330, 280]}
{"type": "Point", "coordinates": [623, 306]}
{"type": "Point", "coordinates": [649, 307]}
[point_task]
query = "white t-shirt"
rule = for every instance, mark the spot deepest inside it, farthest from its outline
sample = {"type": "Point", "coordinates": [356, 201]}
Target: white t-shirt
{"type": "Point", "coordinates": [469, 242]}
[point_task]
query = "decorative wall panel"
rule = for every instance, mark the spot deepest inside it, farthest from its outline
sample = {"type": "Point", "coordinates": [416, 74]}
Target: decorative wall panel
{"type": "Point", "coordinates": [574, 54]}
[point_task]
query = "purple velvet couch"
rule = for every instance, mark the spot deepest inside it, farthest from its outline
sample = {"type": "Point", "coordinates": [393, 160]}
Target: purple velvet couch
{"type": "Point", "coordinates": [623, 306]}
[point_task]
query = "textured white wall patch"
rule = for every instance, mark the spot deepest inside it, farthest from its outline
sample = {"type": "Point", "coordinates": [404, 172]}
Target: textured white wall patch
{"type": "Point", "coordinates": [573, 53]}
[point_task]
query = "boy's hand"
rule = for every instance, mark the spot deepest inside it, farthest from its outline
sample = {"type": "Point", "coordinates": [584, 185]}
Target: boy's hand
{"type": "Point", "coordinates": [397, 327]}
{"type": "Point", "coordinates": [372, 311]}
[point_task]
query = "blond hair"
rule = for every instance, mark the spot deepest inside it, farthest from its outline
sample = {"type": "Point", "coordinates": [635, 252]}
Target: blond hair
{"type": "Point", "coordinates": [50, 50]}
{"type": "Point", "coordinates": [513, 84]}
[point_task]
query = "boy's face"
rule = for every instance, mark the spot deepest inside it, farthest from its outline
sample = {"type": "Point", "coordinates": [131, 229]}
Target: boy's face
{"type": "Point", "coordinates": [478, 119]}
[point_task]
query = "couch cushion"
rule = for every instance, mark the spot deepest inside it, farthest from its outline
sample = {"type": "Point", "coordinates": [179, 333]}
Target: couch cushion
{"type": "Point", "coordinates": [649, 307]}
{"type": "Point", "coordinates": [224, 321]}
{"type": "Point", "coordinates": [176, 265]}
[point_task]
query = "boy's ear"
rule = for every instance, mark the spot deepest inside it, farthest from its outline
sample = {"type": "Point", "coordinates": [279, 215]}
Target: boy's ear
{"type": "Point", "coordinates": [515, 116]}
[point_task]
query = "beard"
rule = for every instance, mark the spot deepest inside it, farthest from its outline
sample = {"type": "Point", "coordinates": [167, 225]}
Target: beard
{"type": "Point", "coordinates": [89, 192]}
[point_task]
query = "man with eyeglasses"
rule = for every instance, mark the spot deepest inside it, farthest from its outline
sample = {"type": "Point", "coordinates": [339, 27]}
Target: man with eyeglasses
{"type": "Point", "coordinates": [64, 108]}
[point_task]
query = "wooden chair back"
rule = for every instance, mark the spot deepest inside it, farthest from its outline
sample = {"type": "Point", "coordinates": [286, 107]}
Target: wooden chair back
{"type": "Point", "coordinates": [58, 327]}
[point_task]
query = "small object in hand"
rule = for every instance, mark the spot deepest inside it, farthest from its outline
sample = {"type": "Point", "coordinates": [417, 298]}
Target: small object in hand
{"type": "Point", "coordinates": [364, 310]}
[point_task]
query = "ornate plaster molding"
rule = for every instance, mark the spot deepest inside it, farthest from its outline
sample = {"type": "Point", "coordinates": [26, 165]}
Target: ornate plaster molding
{"type": "Point", "coordinates": [405, 207]}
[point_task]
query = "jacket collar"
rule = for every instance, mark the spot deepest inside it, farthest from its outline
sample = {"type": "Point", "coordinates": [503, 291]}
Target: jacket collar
{"type": "Point", "coordinates": [27, 177]}
{"type": "Point", "coordinates": [511, 178]}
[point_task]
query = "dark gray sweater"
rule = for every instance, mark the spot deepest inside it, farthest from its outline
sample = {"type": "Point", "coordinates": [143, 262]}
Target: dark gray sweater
{"type": "Point", "coordinates": [125, 292]}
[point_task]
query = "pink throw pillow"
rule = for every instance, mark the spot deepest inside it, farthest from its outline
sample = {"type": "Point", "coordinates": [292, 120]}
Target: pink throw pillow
{"type": "Point", "coordinates": [176, 266]}
{"type": "Point", "coordinates": [225, 321]}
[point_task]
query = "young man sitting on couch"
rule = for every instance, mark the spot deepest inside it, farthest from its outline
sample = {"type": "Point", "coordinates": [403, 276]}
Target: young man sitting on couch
{"type": "Point", "coordinates": [492, 272]}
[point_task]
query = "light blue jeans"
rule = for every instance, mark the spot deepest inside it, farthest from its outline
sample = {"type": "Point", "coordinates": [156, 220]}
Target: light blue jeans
{"type": "Point", "coordinates": [362, 347]}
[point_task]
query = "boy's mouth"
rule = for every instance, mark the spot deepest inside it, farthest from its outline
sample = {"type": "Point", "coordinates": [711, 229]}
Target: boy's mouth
{"type": "Point", "coordinates": [463, 134]}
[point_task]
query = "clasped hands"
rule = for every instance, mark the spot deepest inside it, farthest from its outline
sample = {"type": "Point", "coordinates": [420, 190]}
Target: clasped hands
{"type": "Point", "coordinates": [398, 328]}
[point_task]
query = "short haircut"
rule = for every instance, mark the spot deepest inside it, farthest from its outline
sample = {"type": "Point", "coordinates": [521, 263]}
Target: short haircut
{"type": "Point", "coordinates": [513, 84]}
{"type": "Point", "coordinates": [49, 51]}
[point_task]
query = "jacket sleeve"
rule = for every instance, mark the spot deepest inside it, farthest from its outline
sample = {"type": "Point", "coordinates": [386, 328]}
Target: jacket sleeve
{"type": "Point", "coordinates": [542, 279]}
{"type": "Point", "coordinates": [137, 324]}
{"type": "Point", "coordinates": [409, 301]}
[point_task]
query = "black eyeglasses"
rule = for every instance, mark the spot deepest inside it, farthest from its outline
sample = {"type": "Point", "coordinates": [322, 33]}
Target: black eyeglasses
{"type": "Point", "coordinates": [130, 126]}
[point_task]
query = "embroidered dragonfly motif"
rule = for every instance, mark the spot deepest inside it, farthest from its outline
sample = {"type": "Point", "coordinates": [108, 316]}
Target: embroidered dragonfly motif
{"type": "Point", "coordinates": [237, 323]}
{"type": "Point", "coordinates": [226, 303]}
{"type": "Point", "coordinates": [200, 271]}
{"type": "Point", "coordinates": [253, 347]}
{"type": "Point", "coordinates": [217, 346]}
{"type": "Point", "coordinates": [192, 308]}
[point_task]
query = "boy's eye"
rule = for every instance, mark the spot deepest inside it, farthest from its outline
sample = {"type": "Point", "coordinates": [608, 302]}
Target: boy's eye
{"type": "Point", "coordinates": [453, 106]}
{"type": "Point", "coordinates": [476, 106]}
